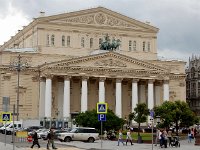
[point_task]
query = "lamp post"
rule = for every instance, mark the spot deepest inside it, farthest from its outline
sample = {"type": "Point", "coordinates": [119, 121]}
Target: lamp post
{"type": "Point", "coordinates": [18, 65]}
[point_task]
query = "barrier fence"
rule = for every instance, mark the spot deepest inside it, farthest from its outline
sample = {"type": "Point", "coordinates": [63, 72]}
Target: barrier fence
{"type": "Point", "coordinates": [22, 136]}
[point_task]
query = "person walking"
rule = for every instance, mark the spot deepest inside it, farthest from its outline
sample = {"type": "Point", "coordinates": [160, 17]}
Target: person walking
{"type": "Point", "coordinates": [50, 138]}
{"type": "Point", "coordinates": [120, 138]}
{"type": "Point", "coordinates": [35, 139]}
{"type": "Point", "coordinates": [128, 137]}
{"type": "Point", "coordinates": [189, 136]}
{"type": "Point", "coordinates": [169, 136]}
{"type": "Point", "coordinates": [157, 137]}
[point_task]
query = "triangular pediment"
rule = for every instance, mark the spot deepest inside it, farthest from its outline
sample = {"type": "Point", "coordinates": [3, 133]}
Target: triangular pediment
{"type": "Point", "coordinates": [99, 17]}
{"type": "Point", "coordinates": [108, 60]}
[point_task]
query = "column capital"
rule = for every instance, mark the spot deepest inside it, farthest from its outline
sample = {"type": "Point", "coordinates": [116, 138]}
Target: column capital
{"type": "Point", "coordinates": [135, 80]}
{"type": "Point", "coordinates": [151, 80]}
{"type": "Point", "coordinates": [102, 79]}
{"type": "Point", "coordinates": [42, 79]}
{"type": "Point", "coordinates": [166, 81]}
{"type": "Point", "coordinates": [49, 76]}
{"type": "Point", "coordinates": [85, 78]}
{"type": "Point", "coordinates": [66, 77]}
{"type": "Point", "coordinates": [119, 80]}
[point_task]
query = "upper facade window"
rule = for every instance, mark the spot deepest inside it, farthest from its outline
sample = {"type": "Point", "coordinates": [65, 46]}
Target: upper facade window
{"type": "Point", "coordinates": [100, 41]}
{"type": "Point", "coordinates": [63, 40]}
{"type": "Point", "coordinates": [52, 40]}
{"type": "Point", "coordinates": [132, 45]}
{"type": "Point", "coordinates": [146, 46]}
{"type": "Point", "coordinates": [91, 42]}
{"type": "Point", "coordinates": [68, 41]}
{"type": "Point", "coordinates": [82, 42]}
{"type": "Point", "coordinates": [48, 37]}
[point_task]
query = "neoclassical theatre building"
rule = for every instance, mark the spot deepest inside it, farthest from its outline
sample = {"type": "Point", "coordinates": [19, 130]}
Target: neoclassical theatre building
{"type": "Point", "coordinates": [63, 72]}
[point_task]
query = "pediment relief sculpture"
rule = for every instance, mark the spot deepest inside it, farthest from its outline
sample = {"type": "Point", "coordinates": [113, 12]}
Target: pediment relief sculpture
{"type": "Point", "coordinates": [110, 63]}
{"type": "Point", "coordinates": [98, 19]}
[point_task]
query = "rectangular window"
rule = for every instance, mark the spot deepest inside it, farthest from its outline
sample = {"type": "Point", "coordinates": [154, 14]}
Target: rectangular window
{"type": "Point", "coordinates": [82, 42]}
{"type": "Point", "coordinates": [91, 42]}
{"type": "Point", "coordinates": [134, 45]}
{"type": "Point", "coordinates": [143, 47]}
{"type": "Point", "coordinates": [148, 46]}
{"type": "Point", "coordinates": [100, 41]}
{"type": "Point", "coordinates": [48, 40]}
{"type": "Point", "coordinates": [68, 41]}
{"type": "Point", "coordinates": [130, 45]}
{"type": "Point", "coordinates": [63, 40]}
{"type": "Point", "coordinates": [52, 40]}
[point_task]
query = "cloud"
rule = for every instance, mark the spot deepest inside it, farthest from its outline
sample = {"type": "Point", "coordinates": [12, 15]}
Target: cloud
{"type": "Point", "coordinates": [177, 20]}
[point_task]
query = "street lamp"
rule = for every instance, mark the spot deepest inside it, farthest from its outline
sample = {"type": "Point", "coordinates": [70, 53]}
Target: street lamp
{"type": "Point", "coordinates": [18, 64]}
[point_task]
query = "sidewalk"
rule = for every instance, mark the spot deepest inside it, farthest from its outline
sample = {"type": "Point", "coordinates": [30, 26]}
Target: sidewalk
{"type": "Point", "coordinates": [106, 145]}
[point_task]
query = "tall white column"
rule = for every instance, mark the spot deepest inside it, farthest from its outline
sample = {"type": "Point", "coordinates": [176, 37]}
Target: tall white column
{"type": "Point", "coordinates": [102, 89]}
{"type": "Point", "coordinates": [134, 93]}
{"type": "Point", "coordinates": [48, 96]}
{"type": "Point", "coordinates": [150, 94]}
{"type": "Point", "coordinates": [66, 100]}
{"type": "Point", "coordinates": [42, 99]}
{"type": "Point", "coordinates": [84, 94]}
{"type": "Point", "coordinates": [118, 109]}
{"type": "Point", "coordinates": [166, 90]}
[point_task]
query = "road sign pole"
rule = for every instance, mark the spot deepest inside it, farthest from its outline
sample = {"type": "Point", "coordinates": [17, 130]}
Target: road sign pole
{"type": "Point", "coordinates": [13, 134]}
{"type": "Point", "coordinates": [101, 133]}
{"type": "Point", "coordinates": [5, 131]}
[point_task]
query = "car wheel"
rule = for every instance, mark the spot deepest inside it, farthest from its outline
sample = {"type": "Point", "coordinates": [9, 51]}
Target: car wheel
{"type": "Point", "coordinates": [67, 139]}
{"type": "Point", "coordinates": [91, 140]}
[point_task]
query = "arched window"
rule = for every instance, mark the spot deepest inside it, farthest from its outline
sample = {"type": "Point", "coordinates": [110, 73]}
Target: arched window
{"type": "Point", "coordinates": [82, 42]}
{"type": "Point", "coordinates": [53, 40]}
{"type": "Point", "coordinates": [91, 42]}
{"type": "Point", "coordinates": [63, 40]}
{"type": "Point", "coordinates": [68, 41]}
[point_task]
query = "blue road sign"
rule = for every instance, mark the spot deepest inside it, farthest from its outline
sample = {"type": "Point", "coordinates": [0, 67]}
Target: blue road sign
{"type": "Point", "coordinates": [6, 117]}
{"type": "Point", "coordinates": [101, 117]}
{"type": "Point", "coordinates": [151, 113]}
{"type": "Point", "coordinates": [101, 108]}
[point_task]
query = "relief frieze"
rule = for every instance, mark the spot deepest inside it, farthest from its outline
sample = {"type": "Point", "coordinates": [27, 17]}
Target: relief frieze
{"type": "Point", "coordinates": [110, 63]}
{"type": "Point", "coordinates": [98, 18]}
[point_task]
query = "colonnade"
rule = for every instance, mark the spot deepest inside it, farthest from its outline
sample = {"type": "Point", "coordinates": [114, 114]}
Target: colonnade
{"type": "Point", "coordinates": [45, 105]}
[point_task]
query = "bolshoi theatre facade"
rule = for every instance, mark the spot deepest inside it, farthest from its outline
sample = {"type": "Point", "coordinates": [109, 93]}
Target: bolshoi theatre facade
{"type": "Point", "coordinates": [63, 72]}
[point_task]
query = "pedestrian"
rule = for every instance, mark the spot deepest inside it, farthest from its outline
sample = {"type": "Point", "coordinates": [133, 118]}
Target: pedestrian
{"type": "Point", "coordinates": [128, 137]}
{"type": "Point", "coordinates": [157, 137]}
{"type": "Point", "coordinates": [35, 139]}
{"type": "Point", "coordinates": [120, 138]}
{"type": "Point", "coordinates": [105, 135]}
{"type": "Point", "coordinates": [189, 136]}
{"type": "Point", "coordinates": [169, 136]}
{"type": "Point", "coordinates": [50, 138]}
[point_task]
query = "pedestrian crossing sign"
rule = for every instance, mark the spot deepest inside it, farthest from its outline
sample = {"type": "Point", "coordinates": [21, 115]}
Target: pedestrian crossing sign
{"type": "Point", "coordinates": [6, 117]}
{"type": "Point", "coordinates": [102, 108]}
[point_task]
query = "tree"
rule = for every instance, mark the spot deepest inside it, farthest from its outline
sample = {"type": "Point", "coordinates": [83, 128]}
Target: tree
{"type": "Point", "coordinates": [90, 119]}
{"type": "Point", "coordinates": [177, 112]}
{"type": "Point", "coordinates": [139, 115]}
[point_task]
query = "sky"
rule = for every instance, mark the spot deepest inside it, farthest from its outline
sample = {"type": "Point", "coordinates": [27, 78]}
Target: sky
{"type": "Point", "coordinates": [178, 20]}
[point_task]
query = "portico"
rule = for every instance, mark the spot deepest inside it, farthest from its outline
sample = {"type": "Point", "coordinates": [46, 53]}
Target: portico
{"type": "Point", "coordinates": [121, 94]}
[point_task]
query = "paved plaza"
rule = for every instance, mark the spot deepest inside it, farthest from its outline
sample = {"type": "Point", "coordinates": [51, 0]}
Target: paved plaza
{"type": "Point", "coordinates": [106, 145]}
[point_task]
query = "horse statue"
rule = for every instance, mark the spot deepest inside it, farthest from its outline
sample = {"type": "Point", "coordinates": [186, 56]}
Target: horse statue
{"type": "Point", "coordinates": [107, 45]}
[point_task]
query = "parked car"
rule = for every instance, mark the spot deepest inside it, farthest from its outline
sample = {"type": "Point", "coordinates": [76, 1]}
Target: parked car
{"type": "Point", "coordinates": [79, 134]}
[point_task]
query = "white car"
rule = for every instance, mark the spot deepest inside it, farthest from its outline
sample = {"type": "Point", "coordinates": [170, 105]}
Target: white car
{"type": "Point", "coordinates": [80, 134]}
